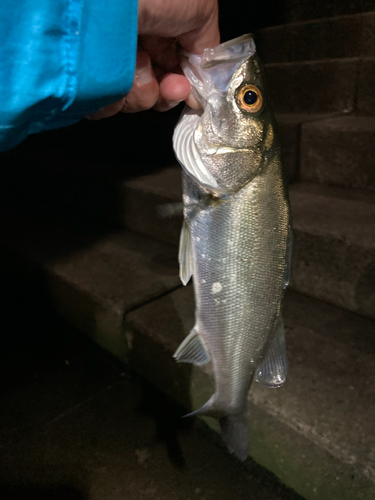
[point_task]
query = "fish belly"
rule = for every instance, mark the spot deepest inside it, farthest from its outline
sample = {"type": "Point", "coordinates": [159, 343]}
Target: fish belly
{"type": "Point", "coordinates": [239, 250]}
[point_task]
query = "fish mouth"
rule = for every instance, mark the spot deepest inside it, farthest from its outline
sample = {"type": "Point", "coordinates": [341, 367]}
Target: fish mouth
{"type": "Point", "coordinates": [213, 70]}
{"type": "Point", "coordinates": [238, 49]}
{"type": "Point", "coordinates": [210, 75]}
{"type": "Point", "coordinates": [222, 150]}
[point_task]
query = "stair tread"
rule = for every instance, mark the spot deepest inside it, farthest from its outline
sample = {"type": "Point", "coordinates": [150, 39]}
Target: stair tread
{"type": "Point", "coordinates": [93, 278]}
{"type": "Point", "coordinates": [342, 214]}
{"type": "Point", "coordinates": [319, 39]}
{"type": "Point", "coordinates": [329, 397]}
{"type": "Point", "coordinates": [167, 182]}
{"type": "Point", "coordinates": [349, 123]}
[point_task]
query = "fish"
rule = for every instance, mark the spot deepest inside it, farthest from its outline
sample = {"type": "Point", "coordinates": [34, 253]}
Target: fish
{"type": "Point", "coordinates": [236, 236]}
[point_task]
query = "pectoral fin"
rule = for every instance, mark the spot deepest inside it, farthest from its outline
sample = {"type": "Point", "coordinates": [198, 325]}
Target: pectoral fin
{"type": "Point", "coordinates": [273, 369]}
{"type": "Point", "coordinates": [185, 254]}
{"type": "Point", "coordinates": [169, 210]}
{"type": "Point", "coordinates": [288, 259]}
{"type": "Point", "coordinates": [192, 350]}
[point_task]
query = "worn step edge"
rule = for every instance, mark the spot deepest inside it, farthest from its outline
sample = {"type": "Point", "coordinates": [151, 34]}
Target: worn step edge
{"type": "Point", "coordinates": [299, 456]}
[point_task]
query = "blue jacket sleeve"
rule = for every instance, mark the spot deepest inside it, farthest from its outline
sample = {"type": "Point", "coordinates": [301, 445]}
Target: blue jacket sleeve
{"type": "Point", "coordinates": [61, 60]}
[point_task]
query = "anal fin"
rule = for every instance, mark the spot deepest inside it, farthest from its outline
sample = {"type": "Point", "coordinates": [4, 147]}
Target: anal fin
{"type": "Point", "coordinates": [273, 369]}
{"type": "Point", "coordinates": [192, 350]}
{"type": "Point", "coordinates": [185, 254]}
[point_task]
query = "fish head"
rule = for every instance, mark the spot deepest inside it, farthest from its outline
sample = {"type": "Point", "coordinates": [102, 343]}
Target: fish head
{"type": "Point", "coordinates": [231, 137]}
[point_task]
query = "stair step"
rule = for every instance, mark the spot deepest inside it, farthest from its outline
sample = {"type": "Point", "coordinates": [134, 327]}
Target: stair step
{"type": "Point", "coordinates": [366, 95]}
{"type": "Point", "coordinates": [147, 193]}
{"type": "Point", "coordinates": [316, 433]}
{"type": "Point", "coordinates": [334, 246]}
{"type": "Point", "coordinates": [302, 10]}
{"type": "Point", "coordinates": [339, 151]}
{"type": "Point", "coordinates": [289, 128]}
{"type": "Point", "coordinates": [323, 86]}
{"type": "Point", "coordinates": [334, 235]}
{"type": "Point", "coordinates": [92, 278]}
{"type": "Point", "coordinates": [330, 38]}
{"type": "Point", "coordinates": [140, 199]}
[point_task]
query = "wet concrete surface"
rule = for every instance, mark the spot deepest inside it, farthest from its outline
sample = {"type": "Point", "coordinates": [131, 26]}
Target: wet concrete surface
{"type": "Point", "coordinates": [76, 424]}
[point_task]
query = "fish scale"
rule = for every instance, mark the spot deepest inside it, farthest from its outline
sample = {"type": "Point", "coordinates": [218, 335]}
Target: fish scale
{"type": "Point", "coordinates": [236, 237]}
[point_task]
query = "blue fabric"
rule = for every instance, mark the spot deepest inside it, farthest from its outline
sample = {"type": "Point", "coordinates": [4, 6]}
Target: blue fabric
{"type": "Point", "coordinates": [61, 60]}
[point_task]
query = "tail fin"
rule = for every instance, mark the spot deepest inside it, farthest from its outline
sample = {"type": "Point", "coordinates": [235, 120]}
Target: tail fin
{"type": "Point", "coordinates": [235, 435]}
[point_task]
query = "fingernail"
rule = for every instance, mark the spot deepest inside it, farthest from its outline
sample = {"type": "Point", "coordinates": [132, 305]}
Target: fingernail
{"type": "Point", "coordinates": [173, 104]}
{"type": "Point", "coordinates": [192, 102]}
{"type": "Point", "coordinates": [143, 71]}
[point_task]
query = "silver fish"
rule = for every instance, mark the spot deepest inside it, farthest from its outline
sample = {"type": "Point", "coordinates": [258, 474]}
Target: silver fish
{"type": "Point", "coordinates": [236, 235]}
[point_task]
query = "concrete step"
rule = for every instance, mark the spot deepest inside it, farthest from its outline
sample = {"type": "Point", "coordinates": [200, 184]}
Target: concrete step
{"type": "Point", "coordinates": [322, 86]}
{"type": "Point", "coordinates": [339, 151]}
{"type": "Point", "coordinates": [330, 38]}
{"type": "Point", "coordinates": [316, 433]}
{"type": "Point", "coordinates": [92, 278]}
{"type": "Point", "coordinates": [334, 235]}
{"type": "Point", "coordinates": [334, 246]}
{"type": "Point", "coordinates": [365, 88]}
{"type": "Point", "coordinates": [290, 132]}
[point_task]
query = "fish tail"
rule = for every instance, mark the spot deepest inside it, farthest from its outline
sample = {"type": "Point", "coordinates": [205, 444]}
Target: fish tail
{"type": "Point", "coordinates": [234, 429]}
{"type": "Point", "coordinates": [235, 434]}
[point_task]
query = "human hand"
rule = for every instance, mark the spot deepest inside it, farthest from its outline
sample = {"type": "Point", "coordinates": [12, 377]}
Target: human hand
{"type": "Point", "coordinates": [163, 26]}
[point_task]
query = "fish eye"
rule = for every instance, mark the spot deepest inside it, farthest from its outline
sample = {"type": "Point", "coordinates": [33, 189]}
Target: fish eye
{"type": "Point", "coordinates": [249, 98]}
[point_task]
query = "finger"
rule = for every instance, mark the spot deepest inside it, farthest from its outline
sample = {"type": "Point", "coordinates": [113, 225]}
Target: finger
{"type": "Point", "coordinates": [143, 94]}
{"type": "Point", "coordinates": [204, 35]}
{"type": "Point", "coordinates": [145, 90]}
{"type": "Point", "coordinates": [192, 102]}
{"type": "Point", "coordinates": [162, 51]}
{"type": "Point", "coordinates": [193, 23]}
{"type": "Point", "coordinates": [173, 90]}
